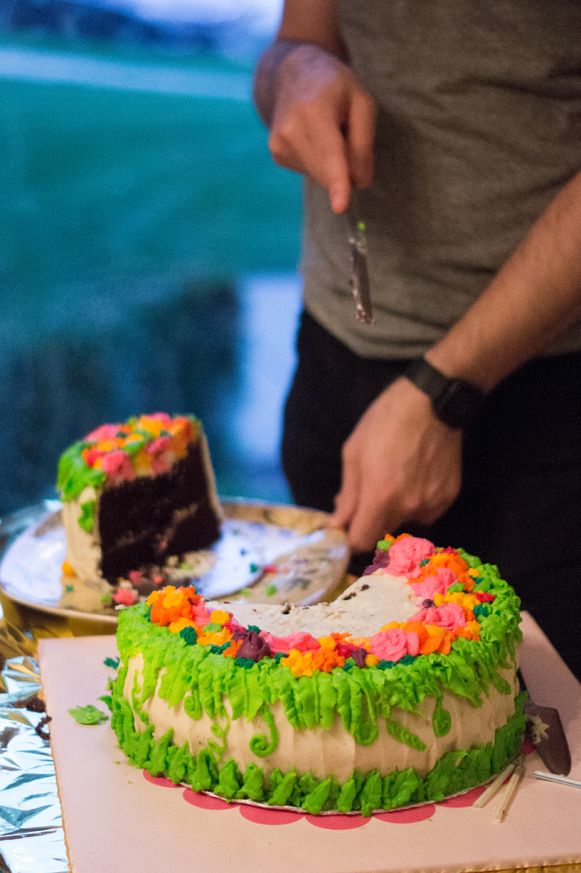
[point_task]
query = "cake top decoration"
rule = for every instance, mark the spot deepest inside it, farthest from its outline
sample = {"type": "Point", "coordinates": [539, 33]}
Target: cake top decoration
{"type": "Point", "coordinates": [455, 602]}
{"type": "Point", "coordinates": [147, 445]}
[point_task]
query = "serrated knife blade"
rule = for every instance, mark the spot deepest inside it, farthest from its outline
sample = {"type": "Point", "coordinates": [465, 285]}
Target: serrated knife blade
{"type": "Point", "coordinates": [359, 279]}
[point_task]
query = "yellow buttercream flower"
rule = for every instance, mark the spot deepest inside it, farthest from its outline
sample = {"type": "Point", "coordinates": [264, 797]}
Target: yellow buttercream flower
{"type": "Point", "coordinates": [391, 625]}
{"type": "Point", "coordinates": [220, 616]}
{"type": "Point", "coordinates": [434, 630]}
{"type": "Point", "coordinates": [153, 425]}
{"type": "Point", "coordinates": [466, 601]}
{"type": "Point", "coordinates": [327, 642]}
{"type": "Point", "coordinates": [176, 626]}
{"type": "Point", "coordinates": [217, 638]}
{"type": "Point", "coordinates": [301, 664]}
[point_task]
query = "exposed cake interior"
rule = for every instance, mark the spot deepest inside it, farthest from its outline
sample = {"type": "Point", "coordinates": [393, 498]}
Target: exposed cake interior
{"type": "Point", "coordinates": [136, 493]}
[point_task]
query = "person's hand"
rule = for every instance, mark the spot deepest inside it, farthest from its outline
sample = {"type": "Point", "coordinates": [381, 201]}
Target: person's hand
{"type": "Point", "coordinates": [400, 464]}
{"type": "Point", "coordinates": [323, 123]}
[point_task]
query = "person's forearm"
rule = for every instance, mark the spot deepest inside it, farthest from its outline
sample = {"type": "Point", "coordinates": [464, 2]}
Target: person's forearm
{"type": "Point", "coordinates": [534, 297]}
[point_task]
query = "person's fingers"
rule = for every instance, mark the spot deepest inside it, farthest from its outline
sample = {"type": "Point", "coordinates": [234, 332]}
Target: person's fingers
{"type": "Point", "coordinates": [339, 188]}
{"type": "Point", "coordinates": [369, 524]}
{"type": "Point", "coordinates": [317, 148]}
{"type": "Point", "coordinates": [379, 509]}
{"type": "Point", "coordinates": [333, 167]}
{"type": "Point", "coordinates": [360, 138]}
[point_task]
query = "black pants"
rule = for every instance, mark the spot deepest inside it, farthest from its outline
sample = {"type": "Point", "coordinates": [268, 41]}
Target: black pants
{"type": "Point", "coordinates": [520, 503]}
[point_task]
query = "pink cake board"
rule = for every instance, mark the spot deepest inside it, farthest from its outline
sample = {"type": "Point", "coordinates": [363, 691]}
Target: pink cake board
{"type": "Point", "coordinates": [116, 820]}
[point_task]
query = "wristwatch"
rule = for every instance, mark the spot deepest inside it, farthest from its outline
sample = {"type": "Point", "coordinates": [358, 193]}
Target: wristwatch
{"type": "Point", "coordinates": [454, 401]}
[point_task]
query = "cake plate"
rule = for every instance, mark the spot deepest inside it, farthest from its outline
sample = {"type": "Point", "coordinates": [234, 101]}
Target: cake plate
{"type": "Point", "coordinates": [266, 553]}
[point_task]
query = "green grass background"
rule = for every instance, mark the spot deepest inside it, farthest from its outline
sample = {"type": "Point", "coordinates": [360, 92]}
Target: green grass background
{"type": "Point", "coordinates": [126, 220]}
{"type": "Point", "coordinates": [98, 183]}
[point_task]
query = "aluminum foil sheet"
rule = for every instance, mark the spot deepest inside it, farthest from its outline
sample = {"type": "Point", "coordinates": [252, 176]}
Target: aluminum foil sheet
{"type": "Point", "coordinates": [31, 830]}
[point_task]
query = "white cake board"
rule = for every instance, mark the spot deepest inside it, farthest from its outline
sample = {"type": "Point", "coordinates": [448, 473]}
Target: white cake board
{"type": "Point", "coordinates": [116, 820]}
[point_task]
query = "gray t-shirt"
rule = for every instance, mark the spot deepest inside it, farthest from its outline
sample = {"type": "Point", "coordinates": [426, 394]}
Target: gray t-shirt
{"type": "Point", "coordinates": [479, 126]}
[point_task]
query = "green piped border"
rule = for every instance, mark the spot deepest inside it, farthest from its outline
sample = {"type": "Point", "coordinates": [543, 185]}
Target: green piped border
{"type": "Point", "coordinates": [456, 771]}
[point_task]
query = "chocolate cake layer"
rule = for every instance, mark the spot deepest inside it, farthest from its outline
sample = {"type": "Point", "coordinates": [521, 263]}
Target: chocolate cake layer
{"type": "Point", "coordinates": [147, 519]}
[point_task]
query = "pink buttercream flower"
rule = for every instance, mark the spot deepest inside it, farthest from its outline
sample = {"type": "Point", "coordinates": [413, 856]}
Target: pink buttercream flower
{"type": "Point", "coordinates": [405, 556]}
{"type": "Point", "coordinates": [117, 464]}
{"type": "Point", "coordinates": [159, 464]}
{"type": "Point", "coordinates": [393, 644]}
{"type": "Point", "coordinates": [448, 616]}
{"type": "Point", "coordinates": [200, 615]}
{"type": "Point", "coordinates": [104, 432]}
{"type": "Point", "coordinates": [159, 444]}
{"type": "Point", "coordinates": [302, 641]}
{"type": "Point", "coordinates": [161, 416]}
{"type": "Point", "coordinates": [437, 584]}
{"type": "Point", "coordinates": [125, 596]}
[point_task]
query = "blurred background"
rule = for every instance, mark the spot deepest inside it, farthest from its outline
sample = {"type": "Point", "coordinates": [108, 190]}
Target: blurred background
{"type": "Point", "coordinates": [148, 244]}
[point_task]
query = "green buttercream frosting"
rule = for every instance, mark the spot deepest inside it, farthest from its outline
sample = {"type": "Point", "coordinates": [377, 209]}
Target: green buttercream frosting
{"type": "Point", "coordinates": [259, 744]}
{"type": "Point", "coordinates": [455, 772]}
{"type": "Point", "coordinates": [441, 720]}
{"type": "Point", "coordinates": [201, 679]}
{"type": "Point", "coordinates": [74, 474]}
{"type": "Point", "coordinates": [87, 517]}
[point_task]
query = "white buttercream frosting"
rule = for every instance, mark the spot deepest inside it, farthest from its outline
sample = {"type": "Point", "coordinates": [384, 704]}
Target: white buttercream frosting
{"type": "Point", "coordinates": [83, 548]}
{"type": "Point", "coordinates": [333, 752]}
{"type": "Point", "coordinates": [361, 610]}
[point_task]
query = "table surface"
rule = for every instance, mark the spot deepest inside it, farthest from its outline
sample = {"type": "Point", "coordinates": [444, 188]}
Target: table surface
{"type": "Point", "coordinates": [115, 819]}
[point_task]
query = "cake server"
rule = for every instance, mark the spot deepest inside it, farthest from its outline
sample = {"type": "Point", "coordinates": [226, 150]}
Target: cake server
{"type": "Point", "coordinates": [359, 279]}
{"type": "Point", "coordinates": [546, 731]}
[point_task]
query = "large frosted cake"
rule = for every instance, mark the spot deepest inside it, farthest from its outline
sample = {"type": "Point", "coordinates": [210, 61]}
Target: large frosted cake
{"type": "Point", "coordinates": [403, 690]}
{"type": "Point", "coordinates": [134, 495]}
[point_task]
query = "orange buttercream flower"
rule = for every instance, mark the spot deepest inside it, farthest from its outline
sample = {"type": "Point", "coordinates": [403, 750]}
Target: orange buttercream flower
{"type": "Point", "coordinates": [232, 649]}
{"type": "Point", "coordinates": [327, 658]}
{"type": "Point", "coordinates": [450, 560]}
{"type": "Point", "coordinates": [438, 640]}
{"type": "Point", "coordinates": [182, 432]}
{"type": "Point", "coordinates": [416, 627]}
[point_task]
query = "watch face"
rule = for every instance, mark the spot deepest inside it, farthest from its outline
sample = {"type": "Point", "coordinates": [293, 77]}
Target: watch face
{"type": "Point", "coordinates": [457, 403]}
{"type": "Point", "coordinates": [454, 401]}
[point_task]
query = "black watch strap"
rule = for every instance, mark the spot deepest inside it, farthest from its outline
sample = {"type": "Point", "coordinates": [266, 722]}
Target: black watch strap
{"type": "Point", "coordinates": [454, 401]}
